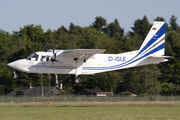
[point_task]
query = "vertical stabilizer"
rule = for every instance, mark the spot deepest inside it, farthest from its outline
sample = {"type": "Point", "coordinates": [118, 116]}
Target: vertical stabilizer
{"type": "Point", "coordinates": [154, 42]}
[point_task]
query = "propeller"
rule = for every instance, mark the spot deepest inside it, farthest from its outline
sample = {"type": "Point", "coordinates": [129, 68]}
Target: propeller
{"type": "Point", "coordinates": [53, 57]}
{"type": "Point", "coordinates": [54, 54]}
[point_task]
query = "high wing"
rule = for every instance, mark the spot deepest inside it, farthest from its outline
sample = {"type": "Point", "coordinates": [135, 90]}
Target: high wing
{"type": "Point", "coordinates": [85, 51]}
{"type": "Point", "coordinates": [69, 56]}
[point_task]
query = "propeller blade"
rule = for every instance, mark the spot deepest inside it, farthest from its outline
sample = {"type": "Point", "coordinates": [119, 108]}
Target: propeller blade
{"type": "Point", "coordinates": [54, 55]}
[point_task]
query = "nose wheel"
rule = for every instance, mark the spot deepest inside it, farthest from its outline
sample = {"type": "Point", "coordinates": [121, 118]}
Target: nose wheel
{"type": "Point", "coordinates": [14, 76]}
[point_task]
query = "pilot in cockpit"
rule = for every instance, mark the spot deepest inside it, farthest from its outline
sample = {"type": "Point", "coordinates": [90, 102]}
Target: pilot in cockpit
{"type": "Point", "coordinates": [33, 57]}
{"type": "Point", "coordinates": [36, 57]}
{"type": "Point", "coordinates": [43, 58]}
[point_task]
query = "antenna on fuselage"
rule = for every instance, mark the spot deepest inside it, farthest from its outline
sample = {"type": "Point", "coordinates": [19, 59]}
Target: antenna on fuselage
{"type": "Point", "coordinates": [45, 47]}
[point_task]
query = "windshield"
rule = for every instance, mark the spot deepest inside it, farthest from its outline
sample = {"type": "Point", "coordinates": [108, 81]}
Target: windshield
{"type": "Point", "coordinates": [33, 57]}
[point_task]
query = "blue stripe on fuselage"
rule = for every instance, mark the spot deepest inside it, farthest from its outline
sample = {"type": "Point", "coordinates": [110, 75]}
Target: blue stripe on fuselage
{"type": "Point", "coordinates": [160, 32]}
{"type": "Point", "coordinates": [120, 65]}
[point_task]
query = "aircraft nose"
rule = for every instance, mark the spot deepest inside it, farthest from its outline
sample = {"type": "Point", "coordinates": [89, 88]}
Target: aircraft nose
{"type": "Point", "coordinates": [12, 64]}
{"type": "Point", "coordinates": [19, 65]}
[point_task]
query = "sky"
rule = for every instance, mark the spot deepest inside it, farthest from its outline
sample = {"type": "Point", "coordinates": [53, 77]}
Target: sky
{"type": "Point", "coordinates": [52, 14]}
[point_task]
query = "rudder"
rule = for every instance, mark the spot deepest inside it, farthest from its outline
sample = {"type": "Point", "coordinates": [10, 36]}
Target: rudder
{"type": "Point", "coordinates": [154, 43]}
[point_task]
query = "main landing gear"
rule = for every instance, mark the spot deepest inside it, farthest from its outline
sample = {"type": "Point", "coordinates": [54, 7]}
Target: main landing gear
{"type": "Point", "coordinates": [14, 76]}
{"type": "Point", "coordinates": [76, 80]}
{"type": "Point", "coordinates": [78, 70]}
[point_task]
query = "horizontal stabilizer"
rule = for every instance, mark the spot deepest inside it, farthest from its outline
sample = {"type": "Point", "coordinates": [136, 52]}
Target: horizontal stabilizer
{"type": "Point", "coordinates": [161, 56]}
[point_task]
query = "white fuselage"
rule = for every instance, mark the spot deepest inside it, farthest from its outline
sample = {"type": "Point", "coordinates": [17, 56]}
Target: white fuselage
{"type": "Point", "coordinates": [95, 64]}
{"type": "Point", "coordinates": [91, 61]}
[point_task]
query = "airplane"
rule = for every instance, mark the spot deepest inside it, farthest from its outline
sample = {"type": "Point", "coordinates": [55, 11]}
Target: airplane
{"type": "Point", "coordinates": [91, 61]}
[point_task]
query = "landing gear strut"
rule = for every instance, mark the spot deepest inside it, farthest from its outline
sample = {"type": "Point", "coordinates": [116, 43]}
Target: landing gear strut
{"type": "Point", "coordinates": [15, 76]}
{"type": "Point", "coordinates": [78, 70]}
{"type": "Point", "coordinates": [76, 80]}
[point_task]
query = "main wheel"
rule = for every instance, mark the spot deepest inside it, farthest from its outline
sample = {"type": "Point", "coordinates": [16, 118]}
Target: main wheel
{"type": "Point", "coordinates": [69, 80]}
{"type": "Point", "coordinates": [77, 80]}
{"type": "Point", "coordinates": [15, 76]}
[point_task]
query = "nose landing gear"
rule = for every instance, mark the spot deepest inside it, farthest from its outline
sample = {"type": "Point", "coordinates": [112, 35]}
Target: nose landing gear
{"type": "Point", "coordinates": [14, 76]}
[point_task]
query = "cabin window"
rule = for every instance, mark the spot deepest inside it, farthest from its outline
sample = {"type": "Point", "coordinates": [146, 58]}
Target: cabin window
{"type": "Point", "coordinates": [33, 57]}
{"type": "Point", "coordinates": [43, 58]}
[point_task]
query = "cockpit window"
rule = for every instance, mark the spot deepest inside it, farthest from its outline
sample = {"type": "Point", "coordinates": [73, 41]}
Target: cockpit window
{"type": "Point", "coordinates": [33, 57]}
{"type": "Point", "coordinates": [43, 58]}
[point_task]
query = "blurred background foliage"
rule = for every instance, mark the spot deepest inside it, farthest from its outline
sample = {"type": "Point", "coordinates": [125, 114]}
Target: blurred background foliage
{"type": "Point", "coordinates": [152, 79]}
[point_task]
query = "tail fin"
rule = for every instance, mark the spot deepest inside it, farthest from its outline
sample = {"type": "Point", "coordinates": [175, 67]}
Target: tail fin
{"type": "Point", "coordinates": [154, 42]}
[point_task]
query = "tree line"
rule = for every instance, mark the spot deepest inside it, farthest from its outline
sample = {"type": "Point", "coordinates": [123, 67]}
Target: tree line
{"type": "Point", "coordinates": [163, 78]}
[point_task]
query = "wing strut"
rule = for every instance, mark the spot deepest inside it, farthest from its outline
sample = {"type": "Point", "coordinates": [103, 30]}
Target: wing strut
{"type": "Point", "coordinates": [79, 63]}
{"type": "Point", "coordinates": [78, 70]}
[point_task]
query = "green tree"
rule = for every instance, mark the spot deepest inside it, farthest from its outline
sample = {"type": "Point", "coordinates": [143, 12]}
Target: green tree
{"type": "Point", "coordinates": [174, 39]}
{"type": "Point", "coordinates": [99, 23]}
{"type": "Point", "coordinates": [61, 38]}
{"type": "Point", "coordinates": [141, 27]}
{"type": "Point", "coordinates": [167, 88]}
{"type": "Point", "coordinates": [173, 23]}
{"type": "Point", "coordinates": [32, 33]}
{"type": "Point", "coordinates": [49, 36]}
{"type": "Point", "coordinates": [141, 77]}
{"type": "Point", "coordinates": [5, 39]}
{"type": "Point", "coordinates": [1, 90]}
{"type": "Point", "coordinates": [154, 87]}
{"type": "Point", "coordinates": [160, 19]}
{"type": "Point", "coordinates": [114, 30]}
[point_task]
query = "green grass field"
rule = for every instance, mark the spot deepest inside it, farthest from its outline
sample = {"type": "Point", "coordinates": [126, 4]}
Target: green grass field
{"type": "Point", "coordinates": [91, 111]}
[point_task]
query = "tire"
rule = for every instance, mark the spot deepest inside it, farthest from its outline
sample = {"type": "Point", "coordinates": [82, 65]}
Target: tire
{"type": "Point", "coordinates": [15, 76]}
{"type": "Point", "coordinates": [69, 80]}
{"type": "Point", "coordinates": [77, 80]}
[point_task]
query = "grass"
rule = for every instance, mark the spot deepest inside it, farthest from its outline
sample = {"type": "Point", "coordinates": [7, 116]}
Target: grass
{"type": "Point", "coordinates": [90, 111]}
